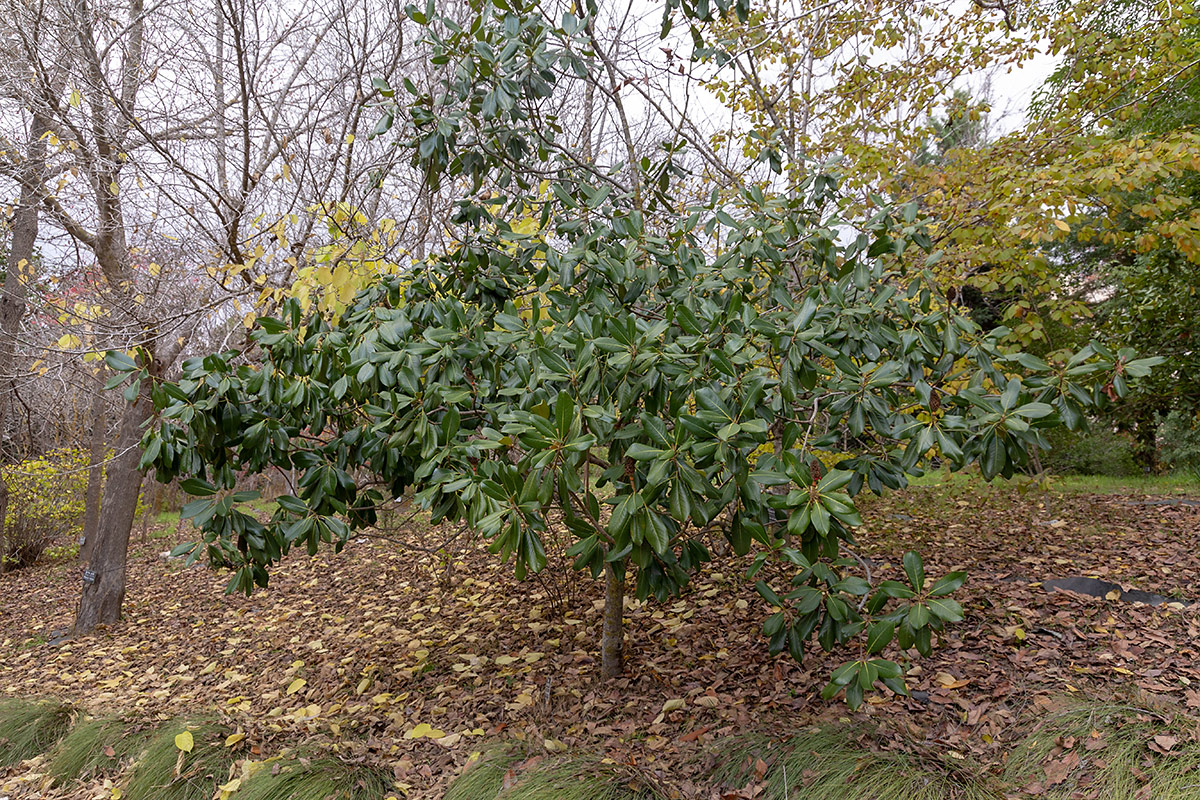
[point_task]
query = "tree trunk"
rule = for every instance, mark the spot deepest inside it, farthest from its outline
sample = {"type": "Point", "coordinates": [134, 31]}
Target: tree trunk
{"type": "Point", "coordinates": [91, 516]}
{"type": "Point", "coordinates": [3, 517]}
{"type": "Point", "coordinates": [1145, 435]}
{"type": "Point", "coordinates": [19, 268]}
{"type": "Point", "coordinates": [104, 579]}
{"type": "Point", "coordinates": [612, 659]}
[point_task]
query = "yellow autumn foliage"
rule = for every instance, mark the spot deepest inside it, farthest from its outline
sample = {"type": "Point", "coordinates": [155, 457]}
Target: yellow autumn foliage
{"type": "Point", "coordinates": [46, 498]}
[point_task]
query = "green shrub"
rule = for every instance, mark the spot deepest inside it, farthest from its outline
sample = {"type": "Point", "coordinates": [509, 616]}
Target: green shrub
{"type": "Point", "coordinates": [1179, 441]}
{"type": "Point", "coordinates": [84, 751]}
{"type": "Point", "coordinates": [1099, 451]}
{"type": "Point", "coordinates": [46, 499]}
{"type": "Point", "coordinates": [164, 772]}
{"type": "Point", "coordinates": [30, 727]}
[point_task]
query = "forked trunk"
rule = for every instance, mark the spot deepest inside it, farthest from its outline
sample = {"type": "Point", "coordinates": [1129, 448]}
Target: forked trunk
{"type": "Point", "coordinates": [613, 633]}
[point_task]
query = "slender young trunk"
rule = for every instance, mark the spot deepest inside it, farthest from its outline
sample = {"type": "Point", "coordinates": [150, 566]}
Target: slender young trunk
{"type": "Point", "coordinates": [19, 269]}
{"type": "Point", "coordinates": [91, 514]}
{"type": "Point", "coordinates": [104, 579]}
{"type": "Point", "coordinates": [612, 660]}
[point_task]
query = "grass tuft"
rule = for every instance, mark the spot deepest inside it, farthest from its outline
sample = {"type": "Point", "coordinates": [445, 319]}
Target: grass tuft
{"type": "Point", "coordinates": [30, 727]}
{"type": "Point", "coordinates": [164, 772]}
{"type": "Point", "coordinates": [843, 763]}
{"type": "Point", "coordinates": [84, 751]}
{"type": "Point", "coordinates": [316, 779]}
{"type": "Point", "coordinates": [1110, 751]}
{"type": "Point", "coordinates": [575, 777]}
{"type": "Point", "coordinates": [485, 777]}
{"type": "Point", "coordinates": [578, 778]}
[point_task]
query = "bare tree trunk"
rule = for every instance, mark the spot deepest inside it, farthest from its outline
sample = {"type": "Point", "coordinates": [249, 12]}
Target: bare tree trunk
{"type": "Point", "coordinates": [612, 660]}
{"type": "Point", "coordinates": [104, 579]}
{"type": "Point", "coordinates": [16, 277]}
{"type": "Point", "coordinates": [91, 516]}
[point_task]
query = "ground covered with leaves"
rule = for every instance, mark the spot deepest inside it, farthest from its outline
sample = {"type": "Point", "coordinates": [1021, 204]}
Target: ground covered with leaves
{"type": "Point", "coordinates": [417, 664]}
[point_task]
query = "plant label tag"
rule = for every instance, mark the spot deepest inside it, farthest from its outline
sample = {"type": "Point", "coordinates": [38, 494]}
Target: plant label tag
{"type": "Point", "coordinates": [89, 576]}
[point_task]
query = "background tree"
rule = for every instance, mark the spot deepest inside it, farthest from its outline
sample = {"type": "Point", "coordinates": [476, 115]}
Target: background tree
{"type": "Point", "coordinates": [805, 79]}
{"type": "Point", "coordinates": [199, 182]}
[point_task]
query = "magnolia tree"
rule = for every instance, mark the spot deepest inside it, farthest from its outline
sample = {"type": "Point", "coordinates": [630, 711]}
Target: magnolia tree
{"type": "Point", "coordinates": [650, 392]}
{"type": "Point", "coordinates": [648, 380]}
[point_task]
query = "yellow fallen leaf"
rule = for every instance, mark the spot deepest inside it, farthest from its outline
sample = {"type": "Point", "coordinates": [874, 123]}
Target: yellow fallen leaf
{"type": "Point", "coordinates": [673, 704]}
{"type": "Point", "coordinates": [948, 681]}
{"type": "Point", "coordinates": [252, 768]}
{"type": "Point", "coordinates": [234, 738]}
{"type": "Point", "coordinates": [424, 731]}
{"type": "Point", "coordinates": [185, 742]}
{"type": "Point", "coordinates": [296, 685]}
{"type": "Point", "coordinates": [554, 746]}
{"type": "Point", "coordinates": [504, 661]}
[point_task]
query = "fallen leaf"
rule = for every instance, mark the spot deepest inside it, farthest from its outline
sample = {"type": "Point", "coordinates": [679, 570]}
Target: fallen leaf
{"type": "Point", "coordinates": [424, 731]}
{"type": "Point", "coordinates": [1058, 770]}
{"type": "Point", "coordinates": [1163, 743]}
{"type": "Point", "coordinates": [948, 681]}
